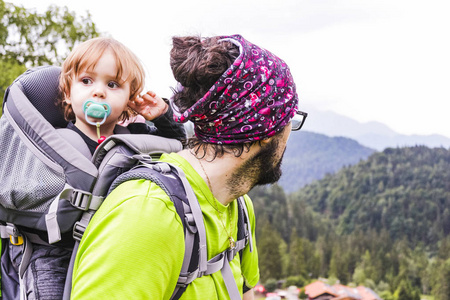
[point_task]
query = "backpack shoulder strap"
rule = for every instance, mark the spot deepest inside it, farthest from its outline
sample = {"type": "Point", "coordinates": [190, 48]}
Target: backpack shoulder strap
{"type": "Point", "coordinates": [173, 181]}
{"type": "Point", "coordinates": [75, 140]}
{"type": "Point", "coordinates": [186, 204]}
{"type": "Point", "coordinates": [244, 236]}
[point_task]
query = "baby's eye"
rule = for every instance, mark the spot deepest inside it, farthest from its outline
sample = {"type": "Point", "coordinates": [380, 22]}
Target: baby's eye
{"type": "Point", "coordinates": [86, 80]}
{"type": "Point", "coordinates": [113, 85]}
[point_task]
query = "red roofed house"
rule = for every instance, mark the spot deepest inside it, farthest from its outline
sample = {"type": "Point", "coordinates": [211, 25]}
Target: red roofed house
{"type": "Point", "coordinates": [319, 290]}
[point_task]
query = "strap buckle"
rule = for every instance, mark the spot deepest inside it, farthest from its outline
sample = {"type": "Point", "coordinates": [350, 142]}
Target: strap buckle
{"type": "Point", "coordinates": [16, 240]}
{"type": "Point", "coordinates": [186, 278]}
{"type": "Point", "coordinates": [162, 167]}
{"type": "Point", "coordinates": [81, 199]}
{"type": "Point", "coordinates": [190, 223]}
{"type": "Point", "coordinates": [231, 252]}
{"type": "Point", "coordinates": [10, 231]}
{"type": "Point", "coordinates": [182, 280]}
{"type": "Point", "coordinates": [78, 230]}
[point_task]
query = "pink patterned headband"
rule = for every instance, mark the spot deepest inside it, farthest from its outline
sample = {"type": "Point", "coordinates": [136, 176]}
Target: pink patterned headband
{"type": "Point", "coordinates": [253, 100]}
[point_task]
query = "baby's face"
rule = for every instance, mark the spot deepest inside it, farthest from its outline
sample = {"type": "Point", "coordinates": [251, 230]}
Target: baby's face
{"type": "Point", "coordinates": [100, 85]}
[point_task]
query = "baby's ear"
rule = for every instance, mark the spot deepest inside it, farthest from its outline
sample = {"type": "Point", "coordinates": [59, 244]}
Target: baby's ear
{"type": "Point", "coordinates": [133, 99]}
{"type": "Point", "coordinates": [65, 96]}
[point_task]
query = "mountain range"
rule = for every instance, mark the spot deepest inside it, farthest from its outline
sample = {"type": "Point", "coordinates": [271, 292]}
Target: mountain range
{"type": "Point", "coordinates": [384, 222]}
{"type": "Point", "coordinates": [371, 134]}
{"type": "Point", "coordinates": [310, 156]}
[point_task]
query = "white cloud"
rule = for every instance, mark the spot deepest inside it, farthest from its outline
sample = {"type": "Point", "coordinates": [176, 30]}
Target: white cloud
{"type": "Point", "coordinates": [386, 61]}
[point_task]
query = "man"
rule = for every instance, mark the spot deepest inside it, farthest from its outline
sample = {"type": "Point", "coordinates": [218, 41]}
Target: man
{"type": "Point", "coordinates": [243, 104]}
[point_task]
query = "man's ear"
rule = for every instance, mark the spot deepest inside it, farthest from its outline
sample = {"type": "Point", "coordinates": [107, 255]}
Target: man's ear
{"type": "Point", "coordinates": [266, 141]}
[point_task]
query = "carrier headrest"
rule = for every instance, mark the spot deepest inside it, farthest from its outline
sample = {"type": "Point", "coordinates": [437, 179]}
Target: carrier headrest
{"type": "Point", "coordinates": [41, 86]}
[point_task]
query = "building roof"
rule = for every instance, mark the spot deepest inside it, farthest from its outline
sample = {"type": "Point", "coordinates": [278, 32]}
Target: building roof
{"type": "Point", "coordinates": [318, 288]}
{"type": "Point", "coordinates": [367, 293]}
{"type": "Point", "coordinates": [340, 292]}
{"type": "Point", "coordinates": [345, 292]}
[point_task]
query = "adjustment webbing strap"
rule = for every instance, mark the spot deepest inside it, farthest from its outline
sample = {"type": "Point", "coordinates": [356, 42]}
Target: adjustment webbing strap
{"type": "Point", "coordinates": [27, 251]}
{"type": "Point", "coordinates": [218, 263]}
{"type": "Point", "coordinates": [221, 262]}
{"type": "Point", "coordinates": [189, 239]}
{"type": "Point", "coordinates": [230, 283]}
{"type": "Point", "coordinates": [8, 231]}
{"type": "Point", "coordinates": [198, 218]}
{"type": "Point", "coordinates": [82, 200]}
{"type": "Point", "coordinates": [51, 221]}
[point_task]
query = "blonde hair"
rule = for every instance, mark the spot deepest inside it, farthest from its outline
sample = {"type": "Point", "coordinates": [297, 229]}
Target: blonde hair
{"type": "Point", "coordinates": [85, 57]}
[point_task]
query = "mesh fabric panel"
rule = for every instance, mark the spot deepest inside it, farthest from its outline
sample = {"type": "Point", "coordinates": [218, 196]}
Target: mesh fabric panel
{"type": "Point", "coordinates": [41, 86]}
{"type": "Point", "coordinates": [27, 184]}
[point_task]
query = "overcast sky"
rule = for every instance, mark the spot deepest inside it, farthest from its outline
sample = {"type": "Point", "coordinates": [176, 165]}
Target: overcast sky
{"type": "Point", "coordinates": [371, 60]}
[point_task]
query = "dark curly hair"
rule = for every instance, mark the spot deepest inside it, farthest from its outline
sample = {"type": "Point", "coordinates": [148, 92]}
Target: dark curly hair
{"type": "Point", "coordinates": [197, 64]}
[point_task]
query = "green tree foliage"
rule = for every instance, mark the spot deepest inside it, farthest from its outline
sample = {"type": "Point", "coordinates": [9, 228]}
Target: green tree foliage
{"type": "Point", "coordinates": [271, 285]}
{"type": "Point", "coordinates": [405, 191]}
{"type": "Point", "coordinates": [29, 39]}
{"type": "Point", "coordinates": [297, 260]}
{"type": "Point", "coordinates": [441, 290]}
{"type": "Point", "coordinates": [382, 223]}
{"type": "Point", "coordinates": [269, 253]}
{"type": "Point", "coordinates": [295, 280]}
{"type": "Point", "coordinates": [407, 292]}
{"type": "Point", "coordinates": [271, 205]}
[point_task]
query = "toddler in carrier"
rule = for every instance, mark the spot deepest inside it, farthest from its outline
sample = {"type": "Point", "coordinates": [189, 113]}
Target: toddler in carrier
{"type": "Point", "coordinates": [100, 84]}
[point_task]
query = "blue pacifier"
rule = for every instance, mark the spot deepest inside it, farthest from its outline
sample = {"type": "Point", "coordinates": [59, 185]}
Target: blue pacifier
{"type": "Point", "coordinates": [97, 110]}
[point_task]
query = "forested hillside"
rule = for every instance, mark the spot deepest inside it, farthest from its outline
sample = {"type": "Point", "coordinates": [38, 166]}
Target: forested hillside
{"type": "Point", "coordinates": [405, 191]}
{"type": "Point", "coordinates": [384, 223]}
{"type": "Point", "coordinates": [309, 156]}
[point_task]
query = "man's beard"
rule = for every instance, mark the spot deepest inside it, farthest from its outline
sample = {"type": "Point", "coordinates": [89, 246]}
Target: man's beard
{"type": "Point", "coordinates": [269, 170]}
{"type": "Point", "coordinates": [260, 169]}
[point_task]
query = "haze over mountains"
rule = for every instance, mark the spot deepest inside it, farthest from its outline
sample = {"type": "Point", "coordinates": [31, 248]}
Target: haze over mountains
{"type": "Point", "coordinates": [372, 134]}
{"type": "Point", "coordinates": [310, 156]}
{"type": "Point", "coordinates": [330, 141]}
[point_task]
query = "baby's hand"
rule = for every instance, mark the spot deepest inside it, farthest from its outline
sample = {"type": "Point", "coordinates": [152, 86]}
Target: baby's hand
{"type": "Point", "coordinates": [150, 106]}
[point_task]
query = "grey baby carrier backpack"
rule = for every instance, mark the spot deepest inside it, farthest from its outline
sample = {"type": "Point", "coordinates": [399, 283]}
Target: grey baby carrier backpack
{"type": "Point", "coordinates": [51, 186]}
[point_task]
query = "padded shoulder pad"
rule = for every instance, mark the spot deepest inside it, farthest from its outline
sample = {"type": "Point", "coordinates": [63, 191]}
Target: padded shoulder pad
{"type": "Point", "coordinates": [75, 140]}
{"type": "Point", "coordinates": [41, 86]}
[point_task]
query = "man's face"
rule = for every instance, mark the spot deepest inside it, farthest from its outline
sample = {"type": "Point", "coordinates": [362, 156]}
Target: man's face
{"type": "Point", "coordinates": [265, 166]}
{"type": "Point", "coordinates": [269, 166]}
{"type": "Point", "coordinates": [269, 158]}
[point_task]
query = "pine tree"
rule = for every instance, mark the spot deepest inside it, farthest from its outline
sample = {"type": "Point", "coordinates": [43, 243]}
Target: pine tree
{"type": "Point", "coordinates": [268, 243]}
{"type": "Point", "coordinates": [441, 290]}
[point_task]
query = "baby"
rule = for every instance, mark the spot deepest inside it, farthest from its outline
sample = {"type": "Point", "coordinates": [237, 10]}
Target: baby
{"type": "Point", "coordinates": [101, 84]}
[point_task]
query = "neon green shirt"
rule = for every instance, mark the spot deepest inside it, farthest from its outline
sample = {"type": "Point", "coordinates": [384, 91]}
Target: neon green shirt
{"type": "Point", "coordinates": [134, 246]}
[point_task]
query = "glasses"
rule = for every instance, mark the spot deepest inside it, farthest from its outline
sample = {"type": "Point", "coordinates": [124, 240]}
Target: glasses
{"type": "Point", "coordinates": [298, 120]}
